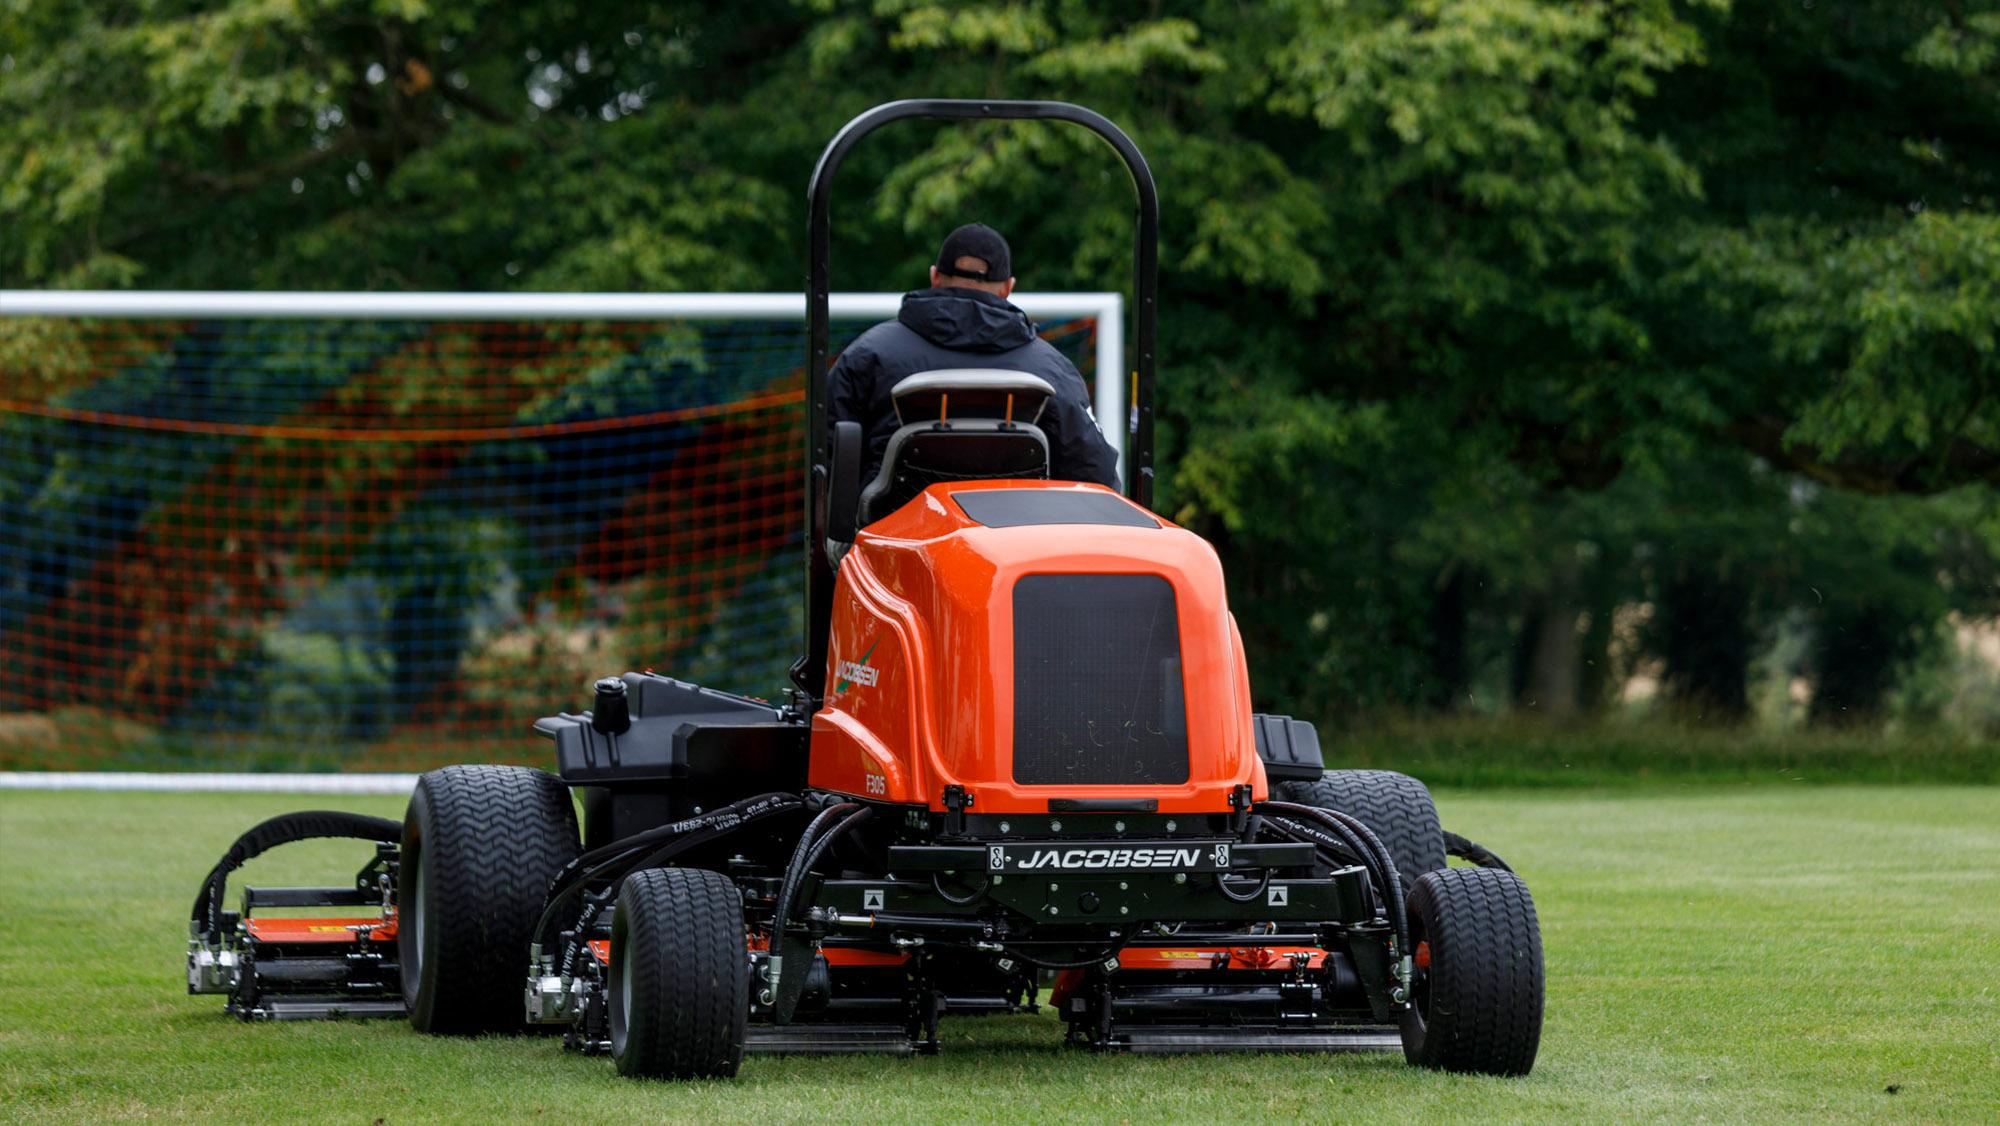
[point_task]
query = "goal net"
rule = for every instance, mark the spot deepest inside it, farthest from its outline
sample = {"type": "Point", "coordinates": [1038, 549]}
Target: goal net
{"type": "Point", "coordinates": [326, 540]}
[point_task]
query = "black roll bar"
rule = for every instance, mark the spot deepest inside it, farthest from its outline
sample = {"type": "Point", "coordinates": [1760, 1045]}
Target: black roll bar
{"type": "Point", "coordinates": [809, 674]}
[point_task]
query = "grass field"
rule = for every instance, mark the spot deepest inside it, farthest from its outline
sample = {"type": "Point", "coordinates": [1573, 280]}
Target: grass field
{"type": "Point", "coordinates": [1724, 953]}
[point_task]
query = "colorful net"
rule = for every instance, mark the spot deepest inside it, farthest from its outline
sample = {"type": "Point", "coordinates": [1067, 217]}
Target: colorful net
{"type": "Point", "coordinates": [385, 544]}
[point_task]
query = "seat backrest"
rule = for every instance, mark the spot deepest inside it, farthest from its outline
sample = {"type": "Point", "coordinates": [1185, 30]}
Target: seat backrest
{"type": "Point", "coordinates": [949, 394]}
{"type": "Point", "coordinates": [959, 425]}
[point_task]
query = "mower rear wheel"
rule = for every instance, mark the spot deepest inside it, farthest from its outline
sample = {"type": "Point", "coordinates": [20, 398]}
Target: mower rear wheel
{"type": "Point", "coordinates": [480, 844]}
{"type": "Point", "coordinates": [1477, 997]}
{"type": "Point", "coordinates": [1396, 806]}
{"type": "Point", "coordinates": [680, 975]}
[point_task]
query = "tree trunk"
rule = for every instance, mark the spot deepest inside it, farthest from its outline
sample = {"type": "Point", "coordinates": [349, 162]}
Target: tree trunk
{"type": "Point", "coordinates": [1704, 640]}
{"type": "Point", "coordinates": [1595, 683]}
{"type": "Point", "coordinates": [1445, 688]}
{"type": "Point", "coordinates": [1855, 653]}
{"type": "Point", "coordinates": [1546, 659]}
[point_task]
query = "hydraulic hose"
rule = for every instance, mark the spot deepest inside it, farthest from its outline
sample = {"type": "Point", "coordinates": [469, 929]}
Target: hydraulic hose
{"type": "Point", "coordinates": [567, 874]}
{"type": "Point", "coordinates": [803, 858]}
{"type": "Point", "coordinates": [1046, 964]}
{"type": "Point", "coordinates": [266, 835]}
{"type": "Point", "coordinates": [614, 870]}
{"type": "Point", "coordinates": [1473, 852]}
{"type": "Point", "coordinates": [598, 862]}
{"type": "Point", "coordinates": [804, 848]}
{"type": "Point", "coordinates": [1338, 849]}
{"type": "Point", "coordinates": [1387, 862]}
{"type": "Point", "coordinates": [1251, 896]}
{"type": "Point", "coordinates": [782, 915]}
{"type": "Point", "coordinates": [1365, 843]}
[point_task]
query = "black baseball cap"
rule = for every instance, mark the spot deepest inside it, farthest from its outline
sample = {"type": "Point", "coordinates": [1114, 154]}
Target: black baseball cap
{"type": "Point", "coordinates": [976, 240]}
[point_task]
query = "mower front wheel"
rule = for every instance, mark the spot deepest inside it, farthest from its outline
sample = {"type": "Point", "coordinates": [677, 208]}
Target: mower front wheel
{"type": "Point", "coordinates": [480, 844]}
{"type": "Point", "coordinates": [680, 976]}
{"type": "Point", "coordinates": [1477, 998]}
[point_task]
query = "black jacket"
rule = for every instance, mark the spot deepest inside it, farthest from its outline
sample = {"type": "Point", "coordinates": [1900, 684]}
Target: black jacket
{"type": "Point", "coordinates": [956, 328]}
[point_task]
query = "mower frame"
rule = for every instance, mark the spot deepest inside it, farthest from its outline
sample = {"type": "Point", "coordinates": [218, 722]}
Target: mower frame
{"type": "Point", "coordinates": [828, 874]}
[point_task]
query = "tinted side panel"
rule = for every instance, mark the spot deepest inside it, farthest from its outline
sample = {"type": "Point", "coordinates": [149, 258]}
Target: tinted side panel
{"type": "Point", "coordinates": [1097, 681]}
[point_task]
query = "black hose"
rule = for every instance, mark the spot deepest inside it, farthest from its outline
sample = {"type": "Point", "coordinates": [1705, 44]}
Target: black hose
{"type": "Point", "coordinates": [1398, 913]}
{"type": "Point", "coordinates": [1381, 869]}
{"type": "Point", "coordinates": [785, 989]}
{"type": "Point", "coordinates": [1340, 851]}
{"type": "Point", "coordinates": [782, 914]}
{"type": "Point", "coordinates": [937, 885]}
{"type": "Point", "coordinates": [614, 870]}
{"type": "Point", "coordinates": [1364, 842]}
{"type": "Point", "coordinates": [1041, 963]}
{"type": "Point", "coordinates": [804, 847]}
{"type": "Point", "coordinates": [1222, 885]}
{"type": "Point", "coordinates": [1472, 851]}
{"type": "Point", "coordinates": [567, 874]}
{"type": "Point", "coordinates": [285, 828]}
{"type": "Point", "coordinates": [713, 825]}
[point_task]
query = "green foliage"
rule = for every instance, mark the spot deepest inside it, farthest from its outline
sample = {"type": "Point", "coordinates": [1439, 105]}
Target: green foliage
{"type": "Point", "coordinates": [1476, 312]}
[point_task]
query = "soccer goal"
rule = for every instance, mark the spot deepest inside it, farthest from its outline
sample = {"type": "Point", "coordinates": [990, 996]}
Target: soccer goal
{"type": "Point", "coordinates": [298, 531]}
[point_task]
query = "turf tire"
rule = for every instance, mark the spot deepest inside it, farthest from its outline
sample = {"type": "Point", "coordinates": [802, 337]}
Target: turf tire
{"type": "Point", "coordinates": [1396, 806]}
{"type": "Point", "coordinates": [680, 976]}
{"type": "Point", "coordinates": [480, 844]}
{"type": "Point", "coordinates": [1478, 1002]}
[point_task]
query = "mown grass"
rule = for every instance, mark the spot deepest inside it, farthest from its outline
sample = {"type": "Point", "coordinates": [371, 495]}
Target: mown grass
{"type": "Point", "coordinates": [1746, 953]}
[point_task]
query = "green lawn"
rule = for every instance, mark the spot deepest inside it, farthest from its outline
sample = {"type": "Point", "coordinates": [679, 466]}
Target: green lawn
{"type": "Point", "coordinates": [1727, 953]}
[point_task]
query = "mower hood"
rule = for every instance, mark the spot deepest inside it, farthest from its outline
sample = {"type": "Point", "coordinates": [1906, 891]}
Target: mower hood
{"type": "Point", "coordinates": [1030, 640]}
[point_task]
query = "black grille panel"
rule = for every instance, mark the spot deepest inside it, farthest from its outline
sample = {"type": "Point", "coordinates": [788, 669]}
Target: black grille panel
{"type": "Point", "coordinates": [1097, 681]}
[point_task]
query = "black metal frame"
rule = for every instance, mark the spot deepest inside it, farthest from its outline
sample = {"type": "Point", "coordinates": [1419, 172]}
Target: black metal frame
{"type": "Point", "coordinates": [809, 673]}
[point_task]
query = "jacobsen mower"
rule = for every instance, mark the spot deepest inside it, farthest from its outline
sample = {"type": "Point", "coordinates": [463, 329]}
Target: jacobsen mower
{"type": "Point", "coordinates": [1020, 752]}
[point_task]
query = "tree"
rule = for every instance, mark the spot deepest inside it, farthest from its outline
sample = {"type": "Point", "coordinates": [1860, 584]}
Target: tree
{"type": "Point", "coordinates": [1436, 272]}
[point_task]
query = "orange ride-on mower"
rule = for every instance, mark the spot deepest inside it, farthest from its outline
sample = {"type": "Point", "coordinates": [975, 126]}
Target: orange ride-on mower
{"type": "Point", "coordinates": [1020, 752]}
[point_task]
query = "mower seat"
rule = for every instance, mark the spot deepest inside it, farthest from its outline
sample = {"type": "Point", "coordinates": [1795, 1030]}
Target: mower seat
{"type": "Point", "coordinates": [961, 424]}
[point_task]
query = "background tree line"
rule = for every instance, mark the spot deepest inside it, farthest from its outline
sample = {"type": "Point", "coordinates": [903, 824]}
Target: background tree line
{"type": "Point", "coordinates": [1515, 355]}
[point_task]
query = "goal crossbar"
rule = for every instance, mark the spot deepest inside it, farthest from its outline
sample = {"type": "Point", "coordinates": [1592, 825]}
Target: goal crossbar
{"type": "Point", "coordinates": [1108, 310]}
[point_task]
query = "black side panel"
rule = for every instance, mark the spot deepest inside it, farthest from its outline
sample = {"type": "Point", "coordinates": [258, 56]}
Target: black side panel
{"type": "Point", "coordinates": [682, 733]}
{"type": "Point", "coordinates": [1097, 681]}
{"type": "Point", "coordinates": [1289, 748]}
{"type": "Point", "coordinates": [1014, 508]}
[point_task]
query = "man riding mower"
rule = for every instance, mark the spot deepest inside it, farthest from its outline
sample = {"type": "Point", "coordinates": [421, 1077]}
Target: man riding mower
{"type": "Point", "coordinates": [1019, 751]}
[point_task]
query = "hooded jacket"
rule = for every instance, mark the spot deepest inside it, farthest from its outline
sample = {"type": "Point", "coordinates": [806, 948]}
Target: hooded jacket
{"type": "Point", "coordinates": [960, 327]}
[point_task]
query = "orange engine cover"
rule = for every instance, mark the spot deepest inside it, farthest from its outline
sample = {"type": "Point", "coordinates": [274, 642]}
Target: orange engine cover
{"type": "Point", "coordinates": [924, 671]}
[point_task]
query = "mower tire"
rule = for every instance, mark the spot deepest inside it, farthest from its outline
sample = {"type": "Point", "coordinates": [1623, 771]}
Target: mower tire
{"type": "Point", "coordinates": [680, 976]}
{"type": "Point", "coordinates": [1396, 806]}
{"type": "Point", "coordinates": [480, 845]}
{"type": "Point", "coordinates": [1477, 998]}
